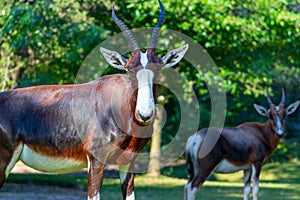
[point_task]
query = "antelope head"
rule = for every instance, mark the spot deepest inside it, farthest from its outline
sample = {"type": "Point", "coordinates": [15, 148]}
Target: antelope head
{"type": "Point", "coordinates": [277, 114]}
{"type": "Point", "coordinates": [143, 67]}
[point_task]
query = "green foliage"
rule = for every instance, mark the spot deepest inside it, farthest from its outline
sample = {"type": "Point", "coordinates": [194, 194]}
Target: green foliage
{"type": "Point", "coordinates": [287, 150]}
{"type": "Point", "coordinates": [48, 40]}
{"type": "Point", "coordinates": [255, 45]}
{"type": "Point", "coordinates": [7, 69]}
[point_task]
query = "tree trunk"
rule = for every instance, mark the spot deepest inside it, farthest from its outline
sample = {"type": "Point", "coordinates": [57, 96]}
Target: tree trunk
{"type": "Point", "coordinates": [154, 163]}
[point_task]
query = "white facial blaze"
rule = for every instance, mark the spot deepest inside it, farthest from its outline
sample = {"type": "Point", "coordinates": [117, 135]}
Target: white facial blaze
{"type": "Point", "coordinates": [278, 126]}
{"type": "Point", "coordinates": [144, 59]}
{"type": "Point", "coordinates": [277, 122]}
{"type": "Point", "coordinates": [145, 101]}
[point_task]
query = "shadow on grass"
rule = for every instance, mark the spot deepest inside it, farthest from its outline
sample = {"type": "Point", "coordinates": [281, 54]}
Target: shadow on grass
{"type": "Point", "coordinates": [179, 171]}
{"type": "Point", "coordinates": [48, 180]}
{"type": "Point", "coordinates": [282, 172]}
{"type": "Point", "coordinates": [72, 180]}
{"type": "Point", "coordinates": [278, 181]}
{"type": "Point", "coordinates": [236, 192]}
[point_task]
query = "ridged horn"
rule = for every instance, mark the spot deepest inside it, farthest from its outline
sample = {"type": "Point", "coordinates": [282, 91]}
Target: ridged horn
{"type": "Point", "coordinates": [268, 97]}
{"type": "Point", "coordinates": [283, 96]}
{"type": "Point", "coordinates": [158, 25]}
{"type": "Point", "coordinates": [126, 31]}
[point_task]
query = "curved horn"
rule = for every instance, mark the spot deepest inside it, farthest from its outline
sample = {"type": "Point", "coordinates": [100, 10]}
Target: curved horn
{"type": "Point", "coordinates": [126, 31]}
{"type": "Point", "coordinates": [283, 96]}
{"type": "Point", "coordinates": [158, 25]}
{"type": "Point", "coordinates": [268, 97]}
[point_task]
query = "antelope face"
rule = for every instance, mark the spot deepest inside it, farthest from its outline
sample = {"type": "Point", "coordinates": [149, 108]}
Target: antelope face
{"type": "Point", "coordinates": [143, 67]}
{"type": "Point", "coordinates": [277, 114]}
{"type": "Point", "coordinates": [145, 72]}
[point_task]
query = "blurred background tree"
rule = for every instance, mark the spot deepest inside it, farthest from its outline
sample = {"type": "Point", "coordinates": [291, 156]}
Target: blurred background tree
{"type": "Point", "coordinates": [255, 45]}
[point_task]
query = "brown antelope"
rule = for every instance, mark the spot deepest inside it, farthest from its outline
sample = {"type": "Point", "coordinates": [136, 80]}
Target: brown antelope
{"type": "Point", "coordinates": [46, 129]}
{"type": "Point", "coordinates": [245, 147]}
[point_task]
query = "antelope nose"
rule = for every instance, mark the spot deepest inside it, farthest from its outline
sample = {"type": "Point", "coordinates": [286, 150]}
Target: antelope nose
{"type": "Point", "coordinates": [279, 132]}
{"type": "Point", "coordinates": [145, 118]}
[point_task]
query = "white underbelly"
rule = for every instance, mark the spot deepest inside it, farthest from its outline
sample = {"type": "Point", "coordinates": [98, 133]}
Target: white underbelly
{"type": "Point", "coordinates": [50, 164]}
{"type": "Point", "coordinates": [226, 167]}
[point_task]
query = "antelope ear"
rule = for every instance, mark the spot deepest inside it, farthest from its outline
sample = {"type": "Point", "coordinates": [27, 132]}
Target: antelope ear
{"type": "Point", "coordinates": [174, 56]}
{"type": "Point", "coordinates": [114, 58]}
{"type": "Point", "coordinates": [261, 110]}
{"type": "Point", "coordinates": [292, 107]}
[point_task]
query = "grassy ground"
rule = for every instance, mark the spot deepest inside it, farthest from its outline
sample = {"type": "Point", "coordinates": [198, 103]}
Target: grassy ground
{"type": "Point", "coordinates": [278, 181]}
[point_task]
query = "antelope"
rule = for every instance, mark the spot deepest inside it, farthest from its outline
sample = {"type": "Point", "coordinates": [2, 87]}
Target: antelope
{"type": "Point", "coordinates": [245, 147]}
{"type": "Point", "coordinates": [64, 128]}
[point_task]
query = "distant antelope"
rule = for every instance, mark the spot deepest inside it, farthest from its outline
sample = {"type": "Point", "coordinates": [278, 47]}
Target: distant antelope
{"type": "Point", "coordinates": [245, 147]}
{"type": "Point", "coordinates": [45, 128]}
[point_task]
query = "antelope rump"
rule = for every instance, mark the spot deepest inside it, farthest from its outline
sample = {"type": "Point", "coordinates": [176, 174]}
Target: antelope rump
{"type": "Point", "coordinates": [46, 129]}
{"type": "Point", "coordinates": [245, 147]}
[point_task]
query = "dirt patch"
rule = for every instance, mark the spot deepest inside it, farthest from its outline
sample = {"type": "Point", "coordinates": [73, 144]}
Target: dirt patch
{"type": "Point", "coordinates": [14, 191]}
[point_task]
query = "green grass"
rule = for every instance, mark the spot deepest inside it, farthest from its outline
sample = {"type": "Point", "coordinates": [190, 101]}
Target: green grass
{"type": "Point", "coordinates": [279, 181]}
